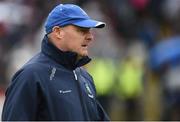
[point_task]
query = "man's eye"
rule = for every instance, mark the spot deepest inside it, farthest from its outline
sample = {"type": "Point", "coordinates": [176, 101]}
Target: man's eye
{"type": "Point", "coordinates": [84, 30]}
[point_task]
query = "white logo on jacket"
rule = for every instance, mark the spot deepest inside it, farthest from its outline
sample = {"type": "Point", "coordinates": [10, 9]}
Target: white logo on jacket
{"type": "Point", "coordinates": [64, 91]}
{"type": "Point", "coordinates": [52, 73]}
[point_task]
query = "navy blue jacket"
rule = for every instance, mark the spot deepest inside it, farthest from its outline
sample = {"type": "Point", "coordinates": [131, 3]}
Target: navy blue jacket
{"type": "Point", "coordinates": [52, 86]}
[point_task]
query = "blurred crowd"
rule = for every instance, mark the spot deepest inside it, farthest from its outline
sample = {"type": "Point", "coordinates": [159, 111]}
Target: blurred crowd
{"type": "Point", "coordinates": [136, 58]}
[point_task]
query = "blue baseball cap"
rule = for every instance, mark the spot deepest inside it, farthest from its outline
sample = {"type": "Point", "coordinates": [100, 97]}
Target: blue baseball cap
{"type": "Point", "coordinates": [70, 14]}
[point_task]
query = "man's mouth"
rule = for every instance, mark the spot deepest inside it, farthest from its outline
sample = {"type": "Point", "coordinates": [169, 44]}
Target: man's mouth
{"type": "Point", "coordinates": [84, 45]}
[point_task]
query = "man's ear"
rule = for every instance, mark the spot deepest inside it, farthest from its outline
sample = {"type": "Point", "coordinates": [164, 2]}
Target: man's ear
{"type": "Point", "coordinates": [57, 31]}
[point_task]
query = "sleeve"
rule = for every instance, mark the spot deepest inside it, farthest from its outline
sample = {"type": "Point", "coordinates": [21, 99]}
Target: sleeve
{"type": "Point", "coordinates": [21, 98]}
{"type": "Point", "coordinates": [102, 113]}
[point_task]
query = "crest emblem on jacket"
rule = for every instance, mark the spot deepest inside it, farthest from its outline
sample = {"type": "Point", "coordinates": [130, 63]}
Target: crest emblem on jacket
{"type": "Point", "coordinates": [89, 92]}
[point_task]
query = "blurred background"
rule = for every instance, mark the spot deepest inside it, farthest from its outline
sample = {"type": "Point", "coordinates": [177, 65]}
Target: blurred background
{"type": "Point", "coordinates": [136, 58]}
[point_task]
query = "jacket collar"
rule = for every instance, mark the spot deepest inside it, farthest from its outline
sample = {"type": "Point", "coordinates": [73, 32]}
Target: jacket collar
{"type": "Point", "coordinates": [67, 59]}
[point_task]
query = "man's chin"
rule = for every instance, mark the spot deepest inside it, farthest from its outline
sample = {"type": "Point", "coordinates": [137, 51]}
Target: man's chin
{"type": "Point", "coordinates": [83, 54]}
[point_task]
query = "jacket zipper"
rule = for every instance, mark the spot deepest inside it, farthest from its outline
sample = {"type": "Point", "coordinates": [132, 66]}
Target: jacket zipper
{"type": "Point", "coordinates": [80, 95]}
{"type": "Point", "coordinates": [75, 75]}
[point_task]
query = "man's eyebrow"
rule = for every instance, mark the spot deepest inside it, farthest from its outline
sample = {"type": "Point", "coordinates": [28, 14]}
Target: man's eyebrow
{"type": "Point", "coordinates": [84, 29]}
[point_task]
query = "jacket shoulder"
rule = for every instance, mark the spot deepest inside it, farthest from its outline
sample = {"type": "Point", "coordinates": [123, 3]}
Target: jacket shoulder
{"type": "Point", "coordinates": [85, 73]}
{"type": "Point", "coordinates": [28, 71]}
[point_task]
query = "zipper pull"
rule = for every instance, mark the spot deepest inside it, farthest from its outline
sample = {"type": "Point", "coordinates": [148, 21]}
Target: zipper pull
{"type": "Point", "coordinates": [75, 74]}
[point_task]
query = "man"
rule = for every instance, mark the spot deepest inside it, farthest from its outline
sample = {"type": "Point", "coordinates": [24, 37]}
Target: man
{"type": "Point", "coordinates": [53, 85]}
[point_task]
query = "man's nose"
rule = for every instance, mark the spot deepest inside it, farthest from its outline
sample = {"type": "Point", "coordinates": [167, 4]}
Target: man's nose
{"type": "Point", "coordinates": [90, 36]}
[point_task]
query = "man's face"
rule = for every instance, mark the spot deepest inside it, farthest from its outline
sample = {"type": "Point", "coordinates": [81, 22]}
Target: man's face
{"type": "Point", "coordinates": [76, 39]}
